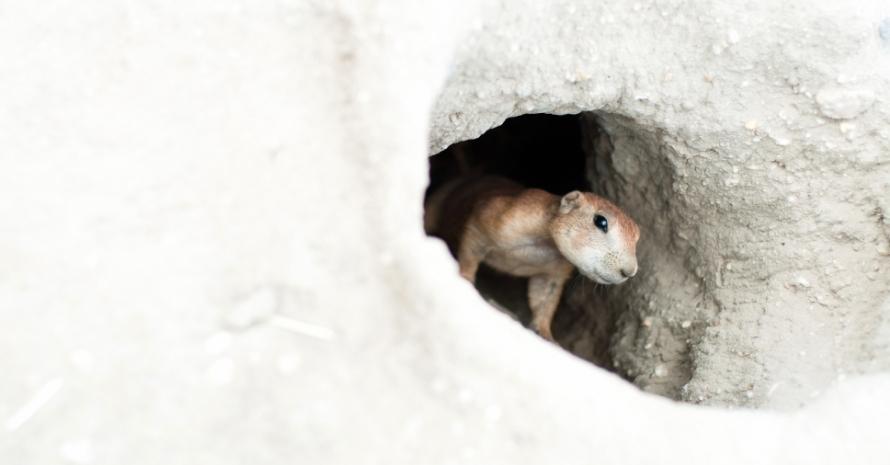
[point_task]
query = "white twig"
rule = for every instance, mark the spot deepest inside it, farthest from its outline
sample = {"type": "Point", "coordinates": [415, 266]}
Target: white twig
{"type": "Point", "coordinates": [41, 397]}
{"type": "Point", "coordinates": [301, 327]}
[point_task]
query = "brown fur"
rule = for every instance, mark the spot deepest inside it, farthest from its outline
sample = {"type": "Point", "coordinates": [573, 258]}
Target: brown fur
{"type": "Point", "coordinates": [532, 233]}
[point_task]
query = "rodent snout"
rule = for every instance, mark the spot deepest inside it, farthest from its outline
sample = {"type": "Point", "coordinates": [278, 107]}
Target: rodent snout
{"type": "Point", "coordinates": [630, 271]}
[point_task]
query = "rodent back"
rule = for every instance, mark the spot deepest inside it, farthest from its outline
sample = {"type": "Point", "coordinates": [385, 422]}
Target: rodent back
{"type": "Point", "coordinates": [449, 208]}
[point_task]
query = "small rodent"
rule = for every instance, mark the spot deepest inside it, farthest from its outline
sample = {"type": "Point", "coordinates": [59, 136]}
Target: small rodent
{"type": "Point", "coordinates": [533, 233]}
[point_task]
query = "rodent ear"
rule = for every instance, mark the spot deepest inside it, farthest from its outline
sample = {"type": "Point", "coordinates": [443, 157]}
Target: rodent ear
{"type": "Point", "coordinates": [569, 202]}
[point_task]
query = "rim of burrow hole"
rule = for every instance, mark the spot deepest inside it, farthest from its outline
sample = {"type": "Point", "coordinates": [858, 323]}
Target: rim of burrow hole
{"type": "Point", "coordinates": [608, 326]}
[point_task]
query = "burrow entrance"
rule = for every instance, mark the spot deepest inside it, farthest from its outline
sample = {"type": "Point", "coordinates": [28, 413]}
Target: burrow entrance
{"type": "Point", "coordinates": [557, 154]}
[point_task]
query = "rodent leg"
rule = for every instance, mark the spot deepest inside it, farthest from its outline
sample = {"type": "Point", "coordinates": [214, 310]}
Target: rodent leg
{"type": "Point", "coordinates": [470, 254]}
{"type": "Point", "coordinates": [544, 292]}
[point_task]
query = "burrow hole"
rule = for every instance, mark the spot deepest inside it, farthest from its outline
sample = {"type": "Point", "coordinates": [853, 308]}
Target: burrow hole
{"type": "Point", "coordinates": [556, 154]}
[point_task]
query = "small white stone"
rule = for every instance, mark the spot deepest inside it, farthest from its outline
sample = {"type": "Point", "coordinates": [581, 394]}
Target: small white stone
{"type": "Point", "coordinates": [78, 451]}
{"type": "Point", "coordinates": [82, 359]}
{"type": "Point", "coordinates": [386, 258]}
{"type": "Point", "coordinates": [220, 372]}
{"type": "Point", "coordinates": [288, 363]}
{"type": "Point", "coordinates": [661, 371]}
{"type": "Point", "coordinates": [493, 413]}
{"type": "Point", "coordinates": [216, 344]}
{"type": "Point", "coordinates": [439, 385]}
{"type": "Point", "coordinates": [457, 429]}
{"type": "Point", "coordinates": [685, 324]}
{"type": "Point", "coordinates": [732, 36]}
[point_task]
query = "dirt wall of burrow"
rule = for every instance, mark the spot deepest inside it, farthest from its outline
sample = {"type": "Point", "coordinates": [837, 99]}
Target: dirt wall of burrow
{"type": "Point", "coordinates": [758, 173]}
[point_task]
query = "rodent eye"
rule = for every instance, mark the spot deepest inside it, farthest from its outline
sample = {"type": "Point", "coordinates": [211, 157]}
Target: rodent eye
{"type": "Point", "coordinates": [601, 223]}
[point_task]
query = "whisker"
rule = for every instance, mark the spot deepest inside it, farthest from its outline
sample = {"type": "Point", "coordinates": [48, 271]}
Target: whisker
{"type": "Point", "coordinates": [580, 283]}
{"type": "Point", "coordinates": [573, 283]}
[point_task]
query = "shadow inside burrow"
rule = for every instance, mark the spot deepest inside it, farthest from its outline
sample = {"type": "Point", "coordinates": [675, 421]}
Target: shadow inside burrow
{"type": "Point", "coordinates": [552, 153]}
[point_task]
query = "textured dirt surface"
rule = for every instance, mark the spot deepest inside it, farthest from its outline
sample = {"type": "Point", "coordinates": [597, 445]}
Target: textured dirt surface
{"type": "Point", "coordinates": [759, 174]}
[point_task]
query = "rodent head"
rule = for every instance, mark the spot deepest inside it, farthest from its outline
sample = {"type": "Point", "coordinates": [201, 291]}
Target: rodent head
{"type": "Point", "coordinates": [597, 237]}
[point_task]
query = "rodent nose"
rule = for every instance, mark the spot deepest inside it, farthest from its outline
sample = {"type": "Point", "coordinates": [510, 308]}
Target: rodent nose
{"type": "Point", "coordinates": [629, 272]}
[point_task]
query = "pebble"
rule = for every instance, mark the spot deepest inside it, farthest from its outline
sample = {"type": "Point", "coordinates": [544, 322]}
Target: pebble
{"type": "Point", "coordinates": [842, 102]}
{"type": "Point", "coordinates": [884, 30]}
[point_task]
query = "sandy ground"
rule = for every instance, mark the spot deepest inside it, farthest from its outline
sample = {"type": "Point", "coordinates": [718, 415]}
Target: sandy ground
{"type": "Point", "coordinates": [211, 247]}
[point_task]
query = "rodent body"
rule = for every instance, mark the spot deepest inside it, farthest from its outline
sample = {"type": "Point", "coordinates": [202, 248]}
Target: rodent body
{"type": "Point", "coordinates": [533, 233]}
